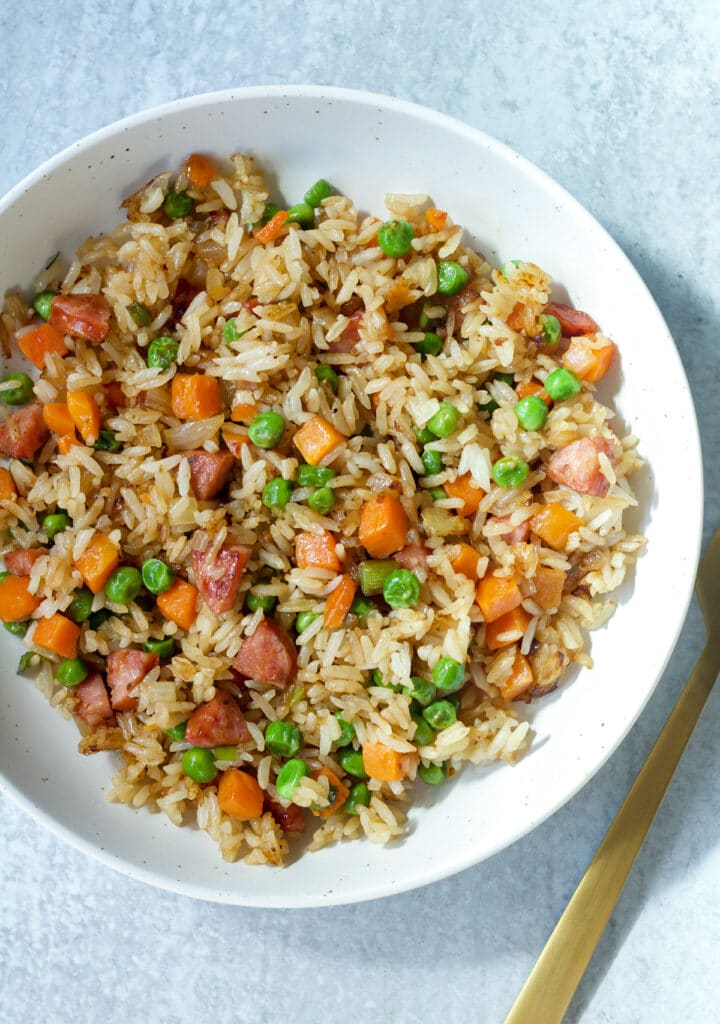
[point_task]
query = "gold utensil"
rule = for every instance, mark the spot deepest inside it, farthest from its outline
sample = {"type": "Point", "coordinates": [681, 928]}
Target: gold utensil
{"type": "Point", "coordinates": [546, 995]}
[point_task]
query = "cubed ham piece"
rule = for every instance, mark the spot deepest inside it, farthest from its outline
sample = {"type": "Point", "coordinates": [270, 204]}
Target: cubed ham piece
{"type": "Point", "coordinates": [209, 472]}
{"type": "Point", "coordinates": [268, 656]}
{"type": "Point", "coordinates": [20, 563]}
{"type": "Point", "coordinates": [577, 465]}
{"type": "Point", "coordinates": [456, 303]}
{"type": "Point", "coordinates": [217, 723]}
{"type": "Point", "coordinates": [84, 316]}
{"type": "Point", "coordinates": [572, 321]}
{"type": "Point", "coordinates": [517, 535]}
{"type": "Point", "coordinates": [413, 556]}
{"type": "Point", "coordinates": [23, 433]}
{"type": "Point", "coordinates": [125, 670]}
{"type": "Point", "coordinates": [350, 335]}
{"type": "Point", "coordinates": [184, 294]}
{"type": "Point", "coordinates": [92, 702]}
{"type": "Point", "coordinates": [290, 818]}
{"type": "Point", "coordinates": [218, 578]}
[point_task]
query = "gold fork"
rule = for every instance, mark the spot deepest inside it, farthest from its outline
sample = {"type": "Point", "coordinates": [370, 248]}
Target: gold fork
{"type": "Point", "coordinates": [546, 995]}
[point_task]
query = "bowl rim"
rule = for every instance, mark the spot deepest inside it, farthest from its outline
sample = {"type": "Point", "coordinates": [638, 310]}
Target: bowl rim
{"type": "Point", "coordinates": [425, 874]}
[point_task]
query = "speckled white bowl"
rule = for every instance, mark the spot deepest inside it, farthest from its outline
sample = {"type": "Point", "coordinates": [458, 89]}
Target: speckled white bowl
{"type": "Point", "coordinates": [368, 145]}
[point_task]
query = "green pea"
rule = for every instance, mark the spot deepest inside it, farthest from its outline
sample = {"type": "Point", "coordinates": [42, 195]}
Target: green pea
{"type": "Point", "coordinates": [422, 690]}
{"type": "Point", "coordinates": [21, 393]}
{"type": "Point", "coordinates": [562, 384]}
{"type": "Point", "coordinates": [347, 731]}
{"type": "Point", "coordinates": [55, 523]}
{"type": "Point", "coordinates": [316, 193]}
{"type": "Point", "coordinates": [199, 764]}
{"type": "Point", "coordinates": [359, 796]}
{"type": "Point", "coordinates": [302, 214]}
{"type": "Point", "coordinates": [255, 601]}
{"type": "Point", "coordinates": [432, 462]}
{"type": "Point", "coordinates": [510, 471]}
{"type": "Point", "coordinates": [402, 589]}
{"type": "Point", "coordinates": [361, 607]}
{"type": "Point", "coordinates": [17, 628]}
{"type": "Point", "coordinates": [506, 266]}
{"type": "Point", "coordinates": [139, 314]}
{"type": "Point", "coordinates": [123, 585]}
{"type": "Point", "coordinates": [178, 204]}
{"type": "Point", "coordinates": [531, 412]}
{"type": "Point", "coordinates": [448, 675]}
{"type": "Point", "coordinates": [451, 277]}
{"type": "Point", "coordinates": [322, 500]}
{"type": "Point", "coordinates": [176, 732]}
{"type": "Point", "coordinates": [229, 753]}
{"type": "Point", "coordinates": [266, 429]}
{"type": "Point", "coordinates": [424, 733]}
{"type": "Point", "coordinates": [162, 353]}
{"type": "Point", "coordinates": [305, 619]}
{"type": "Point", "coordinates": [283, 739]}
{"type": "Point", "coordinates": [107, 442]}
{"type": "Point", "coordinates": [325, 372]}
{"type": "Point", "coordinates": [440, 714]}
{"type": "Point", "coordinates": [97, 618]}
{"type": "Point", "coordinates": [445, 420]}
{"type": "Point", "coordinates": [269, 212]}
{"type": "Point", "coordinates": [373, 573]}
{"type": "Point", "coordinates": [431, 344]}
{"type": "Point", "coordinates": [277, 492]}
{"type": "Point", "coordinates": [351, 762]}
{"type": "Point", "coordinates": [314, 476]}
{"type": "Point", "coordinates": [432, 774]}
{"type": "Point", "coordinates": [376, 679]}
{"type": "Point", "coordinates": [231, 332]}
{"type": "Point", "coordinates": [157, 575]}
{"type": "Point", "coordinates": [164, 648]}
{"type": "Point", "coordinates": [72, 672]}
{"type": "Point", "coordinates": [42, 304]}
{"type": "Point", "coordinates": [29, 660]}
{"type": "Point", "coordinates": [395, 238]}
{"type": "Point", "coordinates": [438, 493]}
{"type": "Point", "coordinates": [551, 329]}
{"type": "Point", "coordinates": [80, 608]}
{"type": "Point", "coordinates": [430, 312]}
{"type": "Point", "coordinates": [290, 776]}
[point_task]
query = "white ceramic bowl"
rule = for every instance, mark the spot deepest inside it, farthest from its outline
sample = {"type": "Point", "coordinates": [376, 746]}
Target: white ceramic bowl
{"type": "Point", "coordinates": [368, 145]}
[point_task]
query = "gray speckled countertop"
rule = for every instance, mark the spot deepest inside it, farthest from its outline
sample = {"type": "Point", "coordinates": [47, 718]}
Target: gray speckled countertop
{"type": "Point", "coordinates": [620, 103]}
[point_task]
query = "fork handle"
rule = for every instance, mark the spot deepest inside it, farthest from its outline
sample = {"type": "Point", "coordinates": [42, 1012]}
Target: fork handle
{"type": "Point", "coordinates": [546, 994]}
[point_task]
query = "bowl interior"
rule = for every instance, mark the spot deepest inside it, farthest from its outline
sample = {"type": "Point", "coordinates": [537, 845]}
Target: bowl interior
{"type": "Point", "coordinates": [367, 145]}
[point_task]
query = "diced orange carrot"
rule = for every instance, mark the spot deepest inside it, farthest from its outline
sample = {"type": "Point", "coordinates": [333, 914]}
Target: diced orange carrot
{"type": "Point", "coordinates": [85, 414]}
{"type": "Point", "coordinates": [66, 441]}
{"type": "Point", "coordinates": [16, 601]}
{"type": "Point", "coordinates": [235, 438]}
{"type": "Point", "coordinates": [586, 362]}
{"type": "Point", "coordinates": [532, 387]}
{"type": "Point", "coordinates": [554, 524]}
{"type": "Point", "coordinates": [316, 550]}
{"type": "Point", "coordinates": [8, 490]}
{"type": "Point", "coordinates": [194, 396]}
{"type": "Point", "coordinates": [272, 229]}
{"type": "Point", "coordinates": [115, 394]}
{"type": "Point", "coordinates": [316, 439]}
{"type": "Point", "coordinates": [464, 488]}
{"type": "Point", "coordinates": [240, 795]}
{"type": "Point", "coordinates": [384, 526]}
{"type": "Point", "coordinates": [57, 634]}
{"type": "Point", "coordinates": [466, 561]}
{"type": "Point", "coordinates": [549, 585]}
{"type": "Point", "coordinates": [338, 603]}
{"type": "Point", "coordinates": [42, 341]}
{"type": "Point", "coordinates": [397, 296]}
{"type": "Point", "coordinates": [516, 319]}
{"type": "Point", "coordinates": [436, 218]}
{"type": "Point", "coordinates": [497, 595]}
{"type": "Point", "coordinates": [179, 603]}
{"type": "Point", "coordinates": [520, 680]}
{"type": "Point", "coordinates": [337, 793]}
{"type": "Point", "coordinates": [506, 630]}
{"type": "Point", "coordinates": [383, 762]}
{"type": "Point", "coordinates": [58, 419]}
{"type": "Point", "coordinates": [243, 412]}
{"type": "Point", "coordinates": [97, 561]}
{"type": "Point", "coordinates": [199, 171]}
